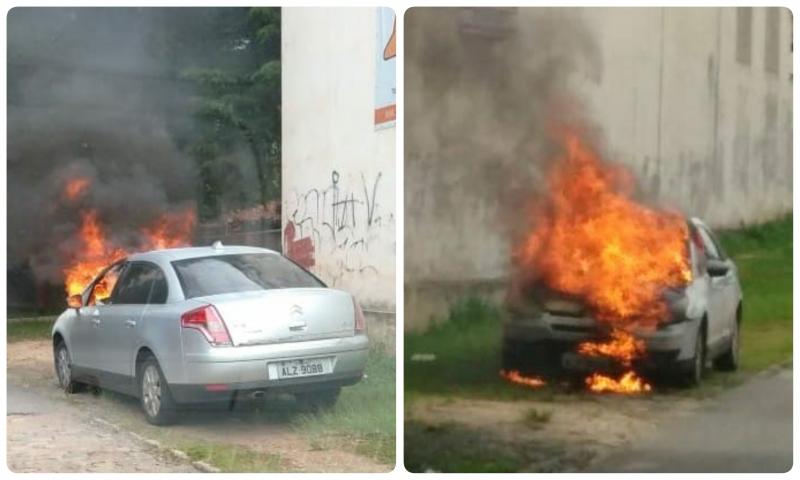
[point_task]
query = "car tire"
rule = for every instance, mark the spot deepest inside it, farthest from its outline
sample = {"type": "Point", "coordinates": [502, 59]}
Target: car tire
{"type": "Point", "coordinates": [63, 364]}
{"type": "Point", "coordinates": [318, 400]}
{"type": "Point", "coordinates": [154, 394]}
{"type": "Point", "coordinates": [532, 358]}
{"type": "Point", "coordinates": [729, 361]}
{"type": "Point", "coordinates": [693, 373]}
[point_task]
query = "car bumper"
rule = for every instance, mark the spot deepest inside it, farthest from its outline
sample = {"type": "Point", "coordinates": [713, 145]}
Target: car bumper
{"type": "Point", "coordinates": [667, 344]}
{"type": "Point", "coordinates": [222, 373]}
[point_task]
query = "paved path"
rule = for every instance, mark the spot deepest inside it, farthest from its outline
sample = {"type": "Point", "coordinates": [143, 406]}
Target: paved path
{"type": "Point", "coordinates": [746, 429]}
{"type": "Point", "coordinates": [47, 435]}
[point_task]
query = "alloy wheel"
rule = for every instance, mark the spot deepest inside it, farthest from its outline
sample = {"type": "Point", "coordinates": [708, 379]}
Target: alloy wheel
{"type": "Point", "coordinates": [62, 366]}
{"type": "Point", "coordinates": [151, 390]}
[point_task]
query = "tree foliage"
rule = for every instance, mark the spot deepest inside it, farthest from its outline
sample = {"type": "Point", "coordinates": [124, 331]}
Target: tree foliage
{"type": "Point", "coordinates": [230, 58]}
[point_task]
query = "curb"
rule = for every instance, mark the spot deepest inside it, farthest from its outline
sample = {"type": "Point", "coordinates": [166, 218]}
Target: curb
{"type": "Point", "coordinates": [155, 444]}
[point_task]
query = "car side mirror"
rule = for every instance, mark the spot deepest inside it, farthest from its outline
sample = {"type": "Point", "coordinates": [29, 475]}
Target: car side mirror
{"type": "Point", "coordinates": [75, 301]}
{"type": "Point", "coordinates": [717, 268]}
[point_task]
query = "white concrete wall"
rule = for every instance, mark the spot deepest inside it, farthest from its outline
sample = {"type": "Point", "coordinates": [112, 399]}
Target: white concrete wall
{"type": "Point", "coordinates": [338, 170]}
{"type": "Point", "coordinates": [675, 105]}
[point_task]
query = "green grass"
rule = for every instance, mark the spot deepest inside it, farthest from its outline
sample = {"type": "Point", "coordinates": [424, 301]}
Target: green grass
{"type": "Point", "coordinates": [467, 356]}
{"type": "Point", "coordinates": [364, 416]}
{"type": "Point", "coordinates": [232, 458]}
{"type": "Point", "coordinates": [763, 254]}
{"type": "Point", "coordinates": [467, 345]}
{"type": "Point", "coordinates": [36, 328]}
{"type": "Point", "coordinates": [452, 448]}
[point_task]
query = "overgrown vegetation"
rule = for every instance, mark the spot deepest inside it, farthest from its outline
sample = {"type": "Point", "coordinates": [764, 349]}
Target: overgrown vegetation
{"type": "Point", "coordinates": [231, 58]}
{"type": "Point", "coordinates": [232, 458]}
{"type": "Point", "coordinates": [466, 354]}
{"type": "Point", "coordinates": [35, 328]}
{"type": "Point", "coordinates": [364, 416]}
{"type": "Point", "coordinates": [763, 254]}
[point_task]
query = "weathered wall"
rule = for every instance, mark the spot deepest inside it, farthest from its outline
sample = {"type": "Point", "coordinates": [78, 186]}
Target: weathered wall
{"type": "Point", "coordinates": [338, 170]}
{"type": "Point", "coordinates": [661, 88]}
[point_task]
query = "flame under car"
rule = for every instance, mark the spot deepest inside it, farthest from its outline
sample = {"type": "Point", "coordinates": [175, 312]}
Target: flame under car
{"type": "Point", "coordinates": [204, 324]}
{"type": "Point", "coordinates": [546, 332]}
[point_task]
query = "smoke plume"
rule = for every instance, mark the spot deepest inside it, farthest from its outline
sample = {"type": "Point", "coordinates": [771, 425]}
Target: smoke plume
{"type": "Point", "coordinates": [482, 87]}
{"type": "Point", "coordinates": [88, 98]}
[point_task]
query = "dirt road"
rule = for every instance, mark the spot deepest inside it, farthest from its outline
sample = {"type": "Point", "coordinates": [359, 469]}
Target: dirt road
{"type": "Point", "coordinates": [745, 428]}
{"type": "Point", "coordinates": [264, 429]}
{"type": "Point", "coordinates": [45, 435]}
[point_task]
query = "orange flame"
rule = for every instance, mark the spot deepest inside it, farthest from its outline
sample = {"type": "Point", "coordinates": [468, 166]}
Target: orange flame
{"type": "Point", "coordinates": [94, 254]}
{"type": "Point", "coordinates": [96, 251]}
{"type": "Point", "coordinates": [170, 230]}
{"type": "Point", "coordinates": [515, 377]}
{"type": "Point", "coordinates": [592, 241]}
{"type": "Point", "coordinates": [628, 383]}
{"type": "Point", "coordinates": [76, 187]}
{"type": "Point", "coordinates": [623, 347]}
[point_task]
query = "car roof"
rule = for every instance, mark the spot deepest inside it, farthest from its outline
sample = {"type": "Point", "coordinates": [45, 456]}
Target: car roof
{"type": "Point", "coordinates": [698, 222]}
{"type": "Point", "coordinates": [173, 254]}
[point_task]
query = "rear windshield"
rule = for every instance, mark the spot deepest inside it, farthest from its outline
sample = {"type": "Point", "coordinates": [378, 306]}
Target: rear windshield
{"type": "Point", "coordinates": [240, 273]}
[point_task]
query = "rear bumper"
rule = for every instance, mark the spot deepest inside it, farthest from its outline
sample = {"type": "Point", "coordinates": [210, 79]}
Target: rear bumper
{"type": "Point", "coordinates": [243, 369]}
{"type": "Point", "coordinates": [665, 345]}
{"type": "Point", "coordinates": [189, 393]}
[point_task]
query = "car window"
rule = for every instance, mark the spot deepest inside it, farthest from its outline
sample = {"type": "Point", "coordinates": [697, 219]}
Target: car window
{"type": "Point", "coordinates": [240, 273]}
{"type": "Point", "coordinates": [160, 290]}
{"type": "Point", "coordinates": [696, 244]}
{"type": "Point", "coordinates": [103, 286]}
{"type": "Point", "coordinates": [140, 283]}
{"type": "Point", "coordinates": [711, 248]}
{"type": "Point", "coordinates": [717, 244]}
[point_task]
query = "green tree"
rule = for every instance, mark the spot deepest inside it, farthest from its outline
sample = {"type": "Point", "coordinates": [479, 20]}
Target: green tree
{"type": "Point", "coordinates": [230, 57]}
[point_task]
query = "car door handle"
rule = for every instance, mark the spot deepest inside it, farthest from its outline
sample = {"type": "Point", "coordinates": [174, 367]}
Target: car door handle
{"type": "Point", "coordinates": [130, 323]}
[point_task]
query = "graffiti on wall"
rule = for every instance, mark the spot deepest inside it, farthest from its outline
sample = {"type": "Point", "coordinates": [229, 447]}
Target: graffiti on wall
{"type": "Point", "coordinates": [338, 221]}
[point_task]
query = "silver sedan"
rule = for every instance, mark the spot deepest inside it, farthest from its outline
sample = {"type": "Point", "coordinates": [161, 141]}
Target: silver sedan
{"type": "Point", "coordinates": [543, 328]}
{"type": "Point", "coordinates": [201, 324]}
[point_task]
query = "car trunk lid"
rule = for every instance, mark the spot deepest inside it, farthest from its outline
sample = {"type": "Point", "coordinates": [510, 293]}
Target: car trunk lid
{"type": "Point", "coordinates": [285, 315]}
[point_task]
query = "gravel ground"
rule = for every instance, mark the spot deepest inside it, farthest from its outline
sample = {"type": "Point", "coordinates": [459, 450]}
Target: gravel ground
{"type": "Point", "coordinates": [48, 436]}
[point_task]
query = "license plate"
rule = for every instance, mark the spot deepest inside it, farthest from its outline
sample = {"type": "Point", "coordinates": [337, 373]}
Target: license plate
{"type": "Point", "coordinates": [299, 368]}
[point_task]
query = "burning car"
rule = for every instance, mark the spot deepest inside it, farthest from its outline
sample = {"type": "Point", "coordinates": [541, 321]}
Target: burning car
{"type": "Point", "coordinates": [609, 283]}
{"type": "Point", "coordinates": [550, 331]}
{"type": "Point", "coordinates": [202, 324]}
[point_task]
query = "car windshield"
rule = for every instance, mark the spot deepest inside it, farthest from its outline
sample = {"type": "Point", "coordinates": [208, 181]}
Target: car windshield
{"type": "Point", "coordinates": [220, 274]}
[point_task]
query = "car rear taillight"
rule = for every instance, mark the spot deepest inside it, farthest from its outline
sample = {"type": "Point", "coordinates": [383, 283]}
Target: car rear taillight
{"type": "Point", "coordinates": [360, 323]}
{"type": "Point", "coordinates": [209, 322]}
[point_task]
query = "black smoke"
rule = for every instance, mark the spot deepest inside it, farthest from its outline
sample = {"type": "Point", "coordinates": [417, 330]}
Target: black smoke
{"type": "Point", "coordinates": [89, 95]}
